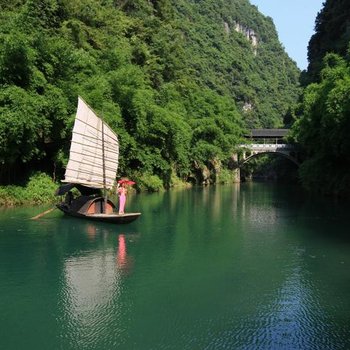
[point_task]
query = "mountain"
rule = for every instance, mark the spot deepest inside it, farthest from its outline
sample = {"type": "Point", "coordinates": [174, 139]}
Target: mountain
{"type": "Point", "coordinates": [178, 80]}
{"type": "Point", "coordinates": [323, 125]}
{"type": "Point", "coordinates": [332, 34]}
{"type": "Point", "coordinates": [228, 47]}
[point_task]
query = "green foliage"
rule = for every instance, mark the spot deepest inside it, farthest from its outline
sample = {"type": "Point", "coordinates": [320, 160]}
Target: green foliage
{"type": "Point", "coordinates": [21, 125]}
{"type": "Point", "coordinates": [332, 34]}
{"type": "Point", "coordinates": [39, 189]}
{"type": "Point", "coordinates": [261, 77]}
{"type": "Point", "coordinates": [176, 182]}
{"type": "Point", "coordinates": [272, 166]}
{"type": "Point", "coordinates": [323, 123]}
{"type": "Point", "coordinates": [149, 182]}
{"type": "Point", "coordinates": [166, 75]}
{"type": "Point", "coordinates": [16, 59]}
{"type": "Point", "coordinates": [29, 123]}
{"type": "Point", "coordinates": [324, 127]}
{"type": "Point", "coordinates": [225, 176]}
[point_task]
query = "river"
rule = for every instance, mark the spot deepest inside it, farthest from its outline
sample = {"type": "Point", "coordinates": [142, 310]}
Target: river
{"type": "Point", "coordinates": [250, 266]}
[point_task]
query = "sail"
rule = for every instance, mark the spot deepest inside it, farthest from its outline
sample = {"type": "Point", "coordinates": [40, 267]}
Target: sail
{"type": "Point", "coordinates": [92, 141]}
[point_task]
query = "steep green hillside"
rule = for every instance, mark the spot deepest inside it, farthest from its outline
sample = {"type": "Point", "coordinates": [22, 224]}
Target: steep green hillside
{"type": "Point", "coordinates": [332, 34]}
{"type": "Point", "coordinates": [323, 126]}
{"type": "Point", "coordinates": [178, 80]}
{"type": "Point", "coordinates": [235, 50]}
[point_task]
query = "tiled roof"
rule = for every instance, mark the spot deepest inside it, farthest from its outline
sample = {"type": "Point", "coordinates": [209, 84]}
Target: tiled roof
{"type": "Point", "coordinates": [268, 133]}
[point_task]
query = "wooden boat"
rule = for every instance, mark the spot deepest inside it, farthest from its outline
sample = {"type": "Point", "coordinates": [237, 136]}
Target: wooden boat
{"type": "Point", "coordinates": [92, 169]}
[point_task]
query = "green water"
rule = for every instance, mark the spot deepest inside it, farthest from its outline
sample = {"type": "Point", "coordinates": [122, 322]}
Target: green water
{"type": "Point", "coordinates": [255, 266]}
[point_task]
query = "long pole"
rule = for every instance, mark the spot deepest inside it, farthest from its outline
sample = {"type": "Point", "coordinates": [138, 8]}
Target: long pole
{"type": "Point", "coordinates": [42, 214]}
{"type": "Point", "coordinates": [104, 168]}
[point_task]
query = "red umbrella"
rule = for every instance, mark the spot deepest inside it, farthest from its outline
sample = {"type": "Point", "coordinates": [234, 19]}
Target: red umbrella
{"type": "Point", "coordinates": [126, 182]}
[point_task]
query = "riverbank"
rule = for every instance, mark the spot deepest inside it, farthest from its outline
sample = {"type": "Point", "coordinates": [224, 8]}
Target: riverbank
{"type": "Point", "coordinates": [40, 189]}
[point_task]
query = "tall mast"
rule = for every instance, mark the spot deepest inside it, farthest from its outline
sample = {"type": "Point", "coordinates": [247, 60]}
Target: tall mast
{"type": "Point", "coordinates": [104, 168]}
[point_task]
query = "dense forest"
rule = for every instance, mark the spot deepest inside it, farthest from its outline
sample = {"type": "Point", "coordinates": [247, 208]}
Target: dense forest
{"type": "Point", "coordinates": [322, 126]}
{"type": "Point", "coordinates": [179, 81]}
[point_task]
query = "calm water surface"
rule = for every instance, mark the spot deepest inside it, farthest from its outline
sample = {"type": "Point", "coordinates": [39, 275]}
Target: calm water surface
{"type": "Point", "coordinates": [255, 266]}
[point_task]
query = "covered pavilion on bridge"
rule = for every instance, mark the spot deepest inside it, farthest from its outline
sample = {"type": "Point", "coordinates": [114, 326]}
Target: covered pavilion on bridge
{"type": "Point", "coordinates": [267, 135]}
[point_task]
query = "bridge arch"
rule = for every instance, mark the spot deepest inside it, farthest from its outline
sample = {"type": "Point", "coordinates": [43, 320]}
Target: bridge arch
{"type": "Point", "coordinates": [255, 155]}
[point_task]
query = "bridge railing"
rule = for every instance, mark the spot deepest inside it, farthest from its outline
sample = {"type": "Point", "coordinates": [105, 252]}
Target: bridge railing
{"type": "Point", "coordinates": [267, 145]}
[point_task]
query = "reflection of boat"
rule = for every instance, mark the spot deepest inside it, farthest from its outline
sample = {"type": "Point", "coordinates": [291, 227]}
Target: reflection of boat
{"type": "Point", "coordinates": [92, 166]}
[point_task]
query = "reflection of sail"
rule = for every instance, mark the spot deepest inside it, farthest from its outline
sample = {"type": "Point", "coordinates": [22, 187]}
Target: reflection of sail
{"type": "Point", "coordinates": [92, 141]}
{"type": "Point", "coordinates": [92, 285]}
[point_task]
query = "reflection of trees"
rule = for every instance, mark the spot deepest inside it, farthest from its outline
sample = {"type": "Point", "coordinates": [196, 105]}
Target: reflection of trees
{"type": "Point", "coordinates": [230, 260]}
{"type": "Point", "coordinates": [262, 205]}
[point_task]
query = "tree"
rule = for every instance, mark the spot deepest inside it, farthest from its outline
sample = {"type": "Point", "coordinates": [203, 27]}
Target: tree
{"type": "Point", "coordinates": [324, 127]}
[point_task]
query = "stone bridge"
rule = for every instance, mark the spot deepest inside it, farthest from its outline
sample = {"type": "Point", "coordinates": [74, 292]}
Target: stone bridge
{"type": "Point", "coordinates": [264, 141]}
{"type": "Point", "coordinates": [252, 150]}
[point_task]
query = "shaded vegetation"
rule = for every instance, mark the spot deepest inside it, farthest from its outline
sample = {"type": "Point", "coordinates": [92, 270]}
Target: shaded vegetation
{"type": "Point", "coordinates": [270, 167]}
{"type": "Point", "coordinates": [322, 127]}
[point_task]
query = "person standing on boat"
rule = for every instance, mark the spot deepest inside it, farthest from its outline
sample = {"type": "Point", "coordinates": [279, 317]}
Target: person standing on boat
{"type": "Point", "coordinates": [122, 192]}
{"type": "Point", "coordinates": [69, 198]}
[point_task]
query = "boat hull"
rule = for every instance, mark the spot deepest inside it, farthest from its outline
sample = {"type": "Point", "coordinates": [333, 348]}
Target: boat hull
{"type": "Point", "coordinates": [111, 217]}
